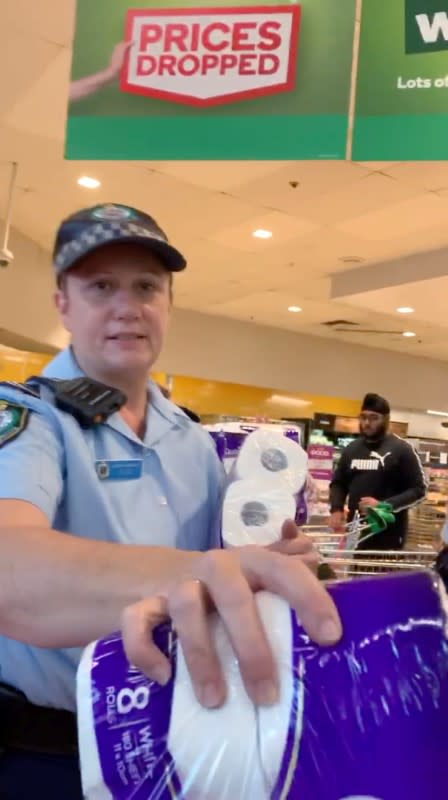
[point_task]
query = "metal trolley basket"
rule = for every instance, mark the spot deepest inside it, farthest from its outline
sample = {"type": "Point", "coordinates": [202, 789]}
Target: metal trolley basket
{"type": "Point", "coordinates": [339, 550]}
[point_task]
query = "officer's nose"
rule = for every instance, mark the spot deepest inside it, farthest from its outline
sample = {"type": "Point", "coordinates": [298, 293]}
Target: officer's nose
{"type": "Point", "coordinates": [126, 306]}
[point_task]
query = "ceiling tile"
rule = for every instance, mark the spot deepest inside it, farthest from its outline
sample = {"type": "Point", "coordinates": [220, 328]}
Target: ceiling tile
{"type": "Point", "coordinates": [22, 76]}
{"type": "Point", "coordinates": [313, 178]}
{"type": "Point", "coordinates": [283, 227]}
{"type": "Point", "coordinates": [32, 112]}
{"type": "Point", "coordinates": [51, 20]}
{"type": "Point", "coordinates": [368, 194]}
{"type": "Point", "coordinates": [221, 175]}
{"type": "Point", "coordinates": [421, 212]}
{"type": "Point", "coordinates": [429, 175]}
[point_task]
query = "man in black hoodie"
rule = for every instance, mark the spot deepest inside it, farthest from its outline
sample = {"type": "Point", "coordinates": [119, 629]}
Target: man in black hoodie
{"type": "Point", "coordinates": [378, 466]}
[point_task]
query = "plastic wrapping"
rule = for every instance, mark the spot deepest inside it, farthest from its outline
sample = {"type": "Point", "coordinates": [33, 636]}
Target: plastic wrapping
{"type": "Point", "coordinates": [229, 436]}
{"type": "Point", "coordinates": [366, 719]}
{"type": "Point", "coordinates": [270, 459]}
{"type": "Point", "coordinates": [253, 513]}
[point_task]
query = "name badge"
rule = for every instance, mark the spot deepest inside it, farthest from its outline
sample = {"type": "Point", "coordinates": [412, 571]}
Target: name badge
{"type": "Point", "coordinates": [127, 470]}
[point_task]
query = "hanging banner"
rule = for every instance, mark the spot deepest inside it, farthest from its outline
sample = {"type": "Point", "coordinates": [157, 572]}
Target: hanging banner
{"type": "Point", "coordinates": [402, 88]}
{"type": "Point", "coordinates": [188, 79]}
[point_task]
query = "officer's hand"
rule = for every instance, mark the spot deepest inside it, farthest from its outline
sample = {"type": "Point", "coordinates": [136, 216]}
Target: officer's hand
{"type": "Point", "coordinates": [226, 581]}
{"type": "Point", "coordinates": [337, 521]}
{"type": "Point", "coordinates": [295, 543]}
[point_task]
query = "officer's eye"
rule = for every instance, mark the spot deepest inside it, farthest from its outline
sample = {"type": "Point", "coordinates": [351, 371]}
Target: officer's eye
{"type": "Point", "coordinates": [102, 285]}
{"type": "Point", "coordinates": [147, 287]}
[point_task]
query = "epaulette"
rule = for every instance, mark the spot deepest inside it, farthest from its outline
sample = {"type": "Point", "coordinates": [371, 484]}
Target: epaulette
{"type": "Point", "coordinates": [88, 401]}
{"type": "Point", "coordinates": [22, 387]}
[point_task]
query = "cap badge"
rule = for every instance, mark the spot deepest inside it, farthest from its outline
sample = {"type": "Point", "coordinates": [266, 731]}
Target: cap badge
{"type": "Point", "coordinates": [111, 213]}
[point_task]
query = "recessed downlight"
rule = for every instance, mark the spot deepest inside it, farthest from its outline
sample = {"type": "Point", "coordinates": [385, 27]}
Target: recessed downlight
{"type": "Point", "coordinates": [88, 183]}
{"type": "Point", "coordinates": [261, 233]}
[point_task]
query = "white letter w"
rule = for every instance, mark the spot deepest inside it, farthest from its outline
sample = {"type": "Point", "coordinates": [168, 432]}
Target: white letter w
{"type": "Point", "coordinates": [430, 31]}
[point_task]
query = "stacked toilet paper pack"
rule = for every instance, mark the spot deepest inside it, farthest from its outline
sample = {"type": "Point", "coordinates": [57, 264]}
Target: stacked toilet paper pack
{"type": "Point", "coordinates": [363, 720]}
{"type": "Point", "coordinates": [265, 482]}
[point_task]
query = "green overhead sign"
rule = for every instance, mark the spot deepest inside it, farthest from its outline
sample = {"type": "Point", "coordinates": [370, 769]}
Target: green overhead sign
{"type": "Point", "coordinates": [402, 82]}
{"type": "Point", "coordinates": [221, 79]}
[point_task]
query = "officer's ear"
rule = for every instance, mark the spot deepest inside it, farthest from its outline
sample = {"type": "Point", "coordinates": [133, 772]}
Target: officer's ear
{"type": "Point", "coordinates": [61, 296]}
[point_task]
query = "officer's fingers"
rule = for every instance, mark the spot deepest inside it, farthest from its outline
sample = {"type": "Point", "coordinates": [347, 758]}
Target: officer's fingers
{"type": "Point", "coordinates": [187, 607]}
{"type": "Point", "coordinates": [311, 560]}
{"type": "Point", "coordinates": [291, 531]}
{"type": "Point", "coordinates": [235, 603]}
{"type": "Point", "coordinates": [292, 537]}
{"type": "Point", "coordinates": [300, 541]}
{"type": "Point", "coordinates": [137, 624]}
{"type": "Point", "coordinates": [292, 580]}
{"type": "Point", "coordinates": [289, 547]}
{"type": "Point", "coordinates": [296, 543]}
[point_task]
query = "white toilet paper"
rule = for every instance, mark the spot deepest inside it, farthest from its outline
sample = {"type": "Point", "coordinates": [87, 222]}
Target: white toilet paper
{"type": "Point", "coordinates": [254, 511]}
{"type": "Point", "coordinates": [228, 766]}
{"type": "Point", "coordinates": [273, 456]}
{"type": "Point", "coordinates": [276, 722]}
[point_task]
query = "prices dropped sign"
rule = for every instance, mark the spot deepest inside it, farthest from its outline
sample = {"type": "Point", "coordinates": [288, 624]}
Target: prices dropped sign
{"type": "Point", "coordinates": [210, 56]}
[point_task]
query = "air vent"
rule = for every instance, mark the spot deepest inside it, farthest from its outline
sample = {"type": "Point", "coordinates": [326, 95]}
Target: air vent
{"type": "Point", "coordinates": [336, 323]}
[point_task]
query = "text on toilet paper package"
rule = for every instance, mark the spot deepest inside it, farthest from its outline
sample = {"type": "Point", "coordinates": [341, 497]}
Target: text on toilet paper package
{"type": "Point", "coordinates": [125, 729]}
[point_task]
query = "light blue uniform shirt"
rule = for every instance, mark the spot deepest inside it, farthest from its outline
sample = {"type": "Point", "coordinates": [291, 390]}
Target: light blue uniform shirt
{"type": "Point", "coordinates": [163, 491]}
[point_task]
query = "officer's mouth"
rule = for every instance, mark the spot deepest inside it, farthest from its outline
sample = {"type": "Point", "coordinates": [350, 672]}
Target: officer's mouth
{"type": "Point", "coordinates": [127, 337]}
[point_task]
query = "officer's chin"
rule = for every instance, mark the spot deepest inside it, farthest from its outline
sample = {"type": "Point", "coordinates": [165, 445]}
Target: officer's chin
{"type": "Point", "coordinates": [129, 362]}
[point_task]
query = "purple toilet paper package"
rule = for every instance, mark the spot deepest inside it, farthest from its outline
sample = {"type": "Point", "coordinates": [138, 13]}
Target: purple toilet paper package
{"type": "Point", "coordinates": [366, 719]}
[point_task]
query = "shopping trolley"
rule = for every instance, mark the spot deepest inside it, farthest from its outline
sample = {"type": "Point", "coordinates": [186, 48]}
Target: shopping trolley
{"type": "Point", "coordinates": [339, 550]}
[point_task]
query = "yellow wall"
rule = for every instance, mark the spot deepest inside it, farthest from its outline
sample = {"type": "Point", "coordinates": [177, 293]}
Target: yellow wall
{"type": "Point", "coordinates": [205, 397]}
{"type": "Point", "coordinates": [215, 397]}
{"type": "Point", "coordinates": [16, 365]}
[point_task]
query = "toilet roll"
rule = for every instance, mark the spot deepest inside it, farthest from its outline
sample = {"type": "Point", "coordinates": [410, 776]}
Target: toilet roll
{"type": "Point", "coordinates": [140, 741]}
{"type": "Point", "coordinates": [229, 437]}
{"type": "Point", "coordinates": [216, 752]}
{"type": "Point", "coordinates": [253, 512]}
{"type": "Point", "coordinates": [272, 456]}
{"type": "Point", "coordinates": [275, 722]}
{"type": "Point", "coordinates": [365, 719]}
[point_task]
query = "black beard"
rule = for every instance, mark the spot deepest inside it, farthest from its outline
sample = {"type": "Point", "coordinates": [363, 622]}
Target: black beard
{"type": "Point", "coordinates": [378, 437]}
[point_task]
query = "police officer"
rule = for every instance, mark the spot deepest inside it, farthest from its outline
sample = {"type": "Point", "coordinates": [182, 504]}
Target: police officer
{"type": "Point", "coordinates": [108, 500]}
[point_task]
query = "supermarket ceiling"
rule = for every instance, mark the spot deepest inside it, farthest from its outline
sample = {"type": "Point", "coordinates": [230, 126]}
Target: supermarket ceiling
{"type": "Point", "coordinates": [350, 241]}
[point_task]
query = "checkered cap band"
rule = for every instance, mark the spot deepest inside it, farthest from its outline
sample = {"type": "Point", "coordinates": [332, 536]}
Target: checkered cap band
{"type": "Point", "coordinates": [96, 235]}
{"type": "Point", "coordinates": [85, 232]}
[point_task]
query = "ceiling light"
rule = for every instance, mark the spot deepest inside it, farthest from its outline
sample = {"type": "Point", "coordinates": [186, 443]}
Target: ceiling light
{"type": "Point", "coordinates": [405, 310]}
{"type": "Point", "coordinates": [294, 309]}
{"type": "Point", "coordinates": [260, 233]}
{"type": "Point", "coordinates": [437, 413]}
{"type": "Point", "coordinates": [409, 334]}
{"type": "Point", "coordinates": [88, 183]}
